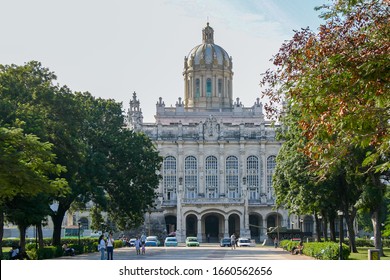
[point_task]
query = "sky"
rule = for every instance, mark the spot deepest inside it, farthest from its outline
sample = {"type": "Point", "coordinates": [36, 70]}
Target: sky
{"type": "Point", "coordinates": [112, 48]}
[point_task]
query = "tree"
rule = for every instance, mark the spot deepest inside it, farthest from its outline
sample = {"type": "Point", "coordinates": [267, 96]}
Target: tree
{"type": "Point", "coordinates": [25, 211]}
{"type": "Point", "coordinates": [88, 137]}
{"type": "Point", "coordinates": [27, 171]}
{"type": "Point", "coordinates": [134, 178]}
{"type": "Point", "coordinates": [338, 79]}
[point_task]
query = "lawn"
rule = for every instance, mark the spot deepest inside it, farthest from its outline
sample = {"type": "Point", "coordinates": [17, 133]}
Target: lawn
{"type": "Point", "coordinates": [363, 254]}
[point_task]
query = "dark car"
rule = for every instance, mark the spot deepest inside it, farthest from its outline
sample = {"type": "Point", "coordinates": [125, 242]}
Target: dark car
{"type": "Point", "coordinates": [225, 242]}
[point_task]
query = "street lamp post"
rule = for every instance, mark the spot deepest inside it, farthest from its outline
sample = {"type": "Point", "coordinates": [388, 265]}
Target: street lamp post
{"type": "Point", "coordinates": [340, 214]}
{"type": "Point", "coordinates": [321, 227]}
{"type": "Point", "coordinates": [292, 230]}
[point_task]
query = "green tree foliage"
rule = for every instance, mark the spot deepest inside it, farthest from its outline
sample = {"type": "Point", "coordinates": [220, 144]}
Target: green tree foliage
{"type": "Point", "coordinates": [88, 138]}
{"type": "Point", "coordinates": [134, 178]}
{"type": "Point", "coordinates": [27, 165]}
{"type": "Point", "coordinates": [338, 79]}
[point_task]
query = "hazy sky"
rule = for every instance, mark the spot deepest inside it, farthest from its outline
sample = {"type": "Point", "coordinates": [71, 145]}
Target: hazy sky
{"type": "Point", "coordinates": [114, 47]}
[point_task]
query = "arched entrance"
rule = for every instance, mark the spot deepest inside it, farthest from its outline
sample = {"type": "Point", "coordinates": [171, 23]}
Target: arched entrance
{"type": "Point", "coordinates": [271, 221]}
{"type": "Point", "coordinates": [211, 228]}
{"type": "Point", "coordinates": [191, 225]}
{"type": "Point", "coordinates": [234, 224]}
{"type": "Point", "coordinates": [256, 226]}
{"type": "Point", "coordinates": [170, 224]}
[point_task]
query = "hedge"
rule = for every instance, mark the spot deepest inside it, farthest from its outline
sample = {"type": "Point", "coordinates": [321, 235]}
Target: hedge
{"type": "Point", "coordinates": [87, 245]}
{"type": "Point", "coordinates": [318, 250]}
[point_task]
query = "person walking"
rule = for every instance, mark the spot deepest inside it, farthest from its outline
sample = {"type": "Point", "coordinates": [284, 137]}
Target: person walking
{"type": "Point", "coordinates": [110, 247]}
{"type": "Point", "coordinates": [143, 238]}
{"type": "Point", "coordinates": [233, 241]}
{"type": "Point", "coordinates": [101, 246]}
{"type": "Point", "coordinates": [276, 242]}
{"type": "Point", "coordinates": [137, 245]}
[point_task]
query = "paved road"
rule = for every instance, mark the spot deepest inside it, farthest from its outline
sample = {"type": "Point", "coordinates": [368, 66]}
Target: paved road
{"type": "Point", "coordinates": [204, 252]}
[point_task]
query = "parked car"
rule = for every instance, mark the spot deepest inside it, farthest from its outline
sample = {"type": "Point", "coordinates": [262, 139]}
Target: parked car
{"type": "Point", "coordinates": [152, 241]}
{"type": "Point", "coordinates": [192, 241]}
{"type": "Point", "coordinates": [244, 242]}
{"type": "Point", "coordinates": [132, 242]}
{"type": "Point", "coordinates": [225, 242]}
{"type": "Point", "coordinates": [170, 241]}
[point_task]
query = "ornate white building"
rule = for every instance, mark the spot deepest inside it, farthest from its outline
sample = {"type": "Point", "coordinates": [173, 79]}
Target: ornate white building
{"type": "Point", "coordinates": [219, 156]}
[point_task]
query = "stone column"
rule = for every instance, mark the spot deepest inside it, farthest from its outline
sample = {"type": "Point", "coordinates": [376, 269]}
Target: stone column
{"type": "Point", "coordinates": [226, 233]}
{"type": "Point", "coordinates": [222, 187]}
{"type": "Point", "coordinates": [199, 235]}
{"type": "Point", "coordinates": [201, 169]}
{"type": "Point", "coordinates": [179, 226]}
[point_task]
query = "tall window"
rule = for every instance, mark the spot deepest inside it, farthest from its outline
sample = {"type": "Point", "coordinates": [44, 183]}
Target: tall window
{"type": "Point", "coordinates": [208, 88]}
{"type": "Point", "coordinates": [253, 177]}
{"type": "Point", "coordinates": [232, 176]}
{"type": "Point", "coordinates": [219, 87]}
{"type": "Point", "coordinates": [197, 88]}
{"type": "Point", "coordinates": [271, 164]}
{"type": "Point", "coordinates": [191, 177]}
{"type": "Point", "coordinates": [211, 177]}
{"type": "Point", "coordinates": [169, 177]}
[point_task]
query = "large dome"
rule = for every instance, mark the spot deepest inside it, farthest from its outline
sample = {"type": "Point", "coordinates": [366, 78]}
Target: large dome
{"type": "Point", "coordinates": [208, 53]}
{"type": "Point", "coordinates": [208, 76]}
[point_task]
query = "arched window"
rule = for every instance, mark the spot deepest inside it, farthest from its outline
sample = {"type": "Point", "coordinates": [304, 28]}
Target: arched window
{"type": "Point", "coordinates": [232, 177]}
{"type": "Point", "coordinates": [191, 177]}
{"type": "Point", "coordinates": [211, 177]}
{"type": "Point", "coordinates": [169, 178]}
{"type": "Point", "coordinates": [253, 177]}
{"type": "Point", "coordinates": [197, 88]}
{"type": "Point", "coordinates": [271, 164]}
{"type": "Point", "coordinates": [208, 88]}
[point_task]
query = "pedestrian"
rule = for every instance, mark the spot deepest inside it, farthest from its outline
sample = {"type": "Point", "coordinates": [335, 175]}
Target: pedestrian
{"type": "Point", "coordinates": [101, 246]}
{"type": "Point", "coordinates": [137, 245]}
{"type": "Point", "coordinates": [14, 253]}
{"type": "Point", "coordinates": [143, 248]}
{"type": "Point", "coordinates": [110, 247]}
{"type": "Point", "coordinates": [233, 241]}
{"type": "Point", "coordinates": [67, 250]}
{"type": "Point", "coordinates": [143, 238]}
{"type": "Point", "coordinates": [208, 238]}
{"type": "Point", "coordinates": [276, 242]}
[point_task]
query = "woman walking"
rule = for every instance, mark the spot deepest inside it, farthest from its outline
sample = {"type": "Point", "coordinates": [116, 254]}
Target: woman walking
{"type": "Point", "coordinates": [101, 246]}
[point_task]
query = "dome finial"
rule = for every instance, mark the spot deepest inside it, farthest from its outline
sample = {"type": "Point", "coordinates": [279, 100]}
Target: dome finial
{"type": "Point", "coordinates": [208, 34]}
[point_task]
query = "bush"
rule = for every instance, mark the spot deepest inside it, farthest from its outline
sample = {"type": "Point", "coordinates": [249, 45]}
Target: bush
{"type": "Point", "coordinates": [87, 245]}
{"type": "Point", "coordinates": [326, 250]}
{"type": "Point", "coordinates": [49, 252]}
{"type": "Point", "coordinates": [318, 250]}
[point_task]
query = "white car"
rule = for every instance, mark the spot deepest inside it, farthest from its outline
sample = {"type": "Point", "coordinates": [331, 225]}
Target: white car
{"type": "Point", "coordinates": [244, 242]}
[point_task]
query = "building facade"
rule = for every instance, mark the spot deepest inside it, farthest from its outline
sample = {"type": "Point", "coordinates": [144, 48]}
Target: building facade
{"type": "Point", "coordinates": [219, 156]}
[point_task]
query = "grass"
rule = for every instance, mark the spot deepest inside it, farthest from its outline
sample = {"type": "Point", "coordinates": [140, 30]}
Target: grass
{"type": "Point", "coordinates": [363, 254]}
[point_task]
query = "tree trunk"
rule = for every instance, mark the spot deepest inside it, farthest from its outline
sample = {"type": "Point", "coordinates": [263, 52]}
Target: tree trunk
{"type": "Point", "coordinates": [325, 228]}
{"type": "Point", "coordinates": [40, 236]}
{"type": "Point", "coordinates": [332, 229]}
{"type": "Point", "coordinates": [1, 231]}
{"type": "Point", "coordinates": [57, 222]}
{"type": "Point", "coordinates": [349, 218]}
{"type": "Point", "coordinates": [22, 241]}
{"type": "Point", "coordinates": [377, 231]}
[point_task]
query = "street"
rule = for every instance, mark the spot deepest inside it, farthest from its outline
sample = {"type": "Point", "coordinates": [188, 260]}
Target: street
{"type": "Point", "coordinates": [204, 252]}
